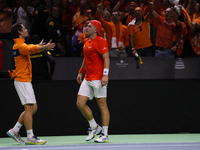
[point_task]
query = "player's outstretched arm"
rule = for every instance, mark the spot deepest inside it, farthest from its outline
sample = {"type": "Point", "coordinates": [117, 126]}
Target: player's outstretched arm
{"type": "Point", "coordinates": [48, 46]}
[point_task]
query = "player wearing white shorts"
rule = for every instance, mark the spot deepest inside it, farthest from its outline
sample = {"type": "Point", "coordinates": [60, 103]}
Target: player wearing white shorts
{"type": "Point", "coordinates": [96, 63]}
{"type": "Point", "coordinates": [22, 76]}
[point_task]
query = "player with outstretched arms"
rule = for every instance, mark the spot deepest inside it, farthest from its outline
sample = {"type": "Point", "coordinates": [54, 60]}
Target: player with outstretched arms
{"type": "Point", "coordinates": [22, 76]}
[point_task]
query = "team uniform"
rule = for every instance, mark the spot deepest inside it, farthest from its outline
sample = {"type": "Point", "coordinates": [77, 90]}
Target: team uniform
{"type": "Point", "coordinates": [23, 71]}
{"type": "Point", "coordinates": [22, 81]}
{"type": "Point", "coordinates": [93, 52]}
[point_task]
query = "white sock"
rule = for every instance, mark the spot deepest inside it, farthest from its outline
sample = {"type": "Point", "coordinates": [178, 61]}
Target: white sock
{"type": "Point", "coordinates": [29, 133]}
{"type": "Point", "coordinates": [17, 127]}
{"type": "Point", "coordinates": [105, 130]}
{"type": "Point", "coordinates": [92, 124]}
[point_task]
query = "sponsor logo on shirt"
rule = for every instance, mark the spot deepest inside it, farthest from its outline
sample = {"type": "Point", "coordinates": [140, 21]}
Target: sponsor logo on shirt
{"type": "Point", "coordinates": [16, 52]}
{"type": "Point", "coordinates": [104, 48]}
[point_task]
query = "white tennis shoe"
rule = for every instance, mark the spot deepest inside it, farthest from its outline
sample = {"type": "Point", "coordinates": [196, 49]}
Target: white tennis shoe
{"type": "Point", "coordinates": [34, 141]}
{"type": "Point", "coordinates": [93, 133]}
{"type": "Point", "coordinates": [15, 136]}
{"type": "Point", "coordinates": [102, 138]}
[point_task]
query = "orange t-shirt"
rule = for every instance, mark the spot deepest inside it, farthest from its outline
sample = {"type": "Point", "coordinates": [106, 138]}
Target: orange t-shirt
{"type": "Point", "coordinates": [23, 67]}
{"type": "Point", "coordinates": [81, 37]}
{"type": "Point", "coordinates": [77, 19]}
{"type": "Point", "coordinates": [164, 33]}
{"type": "Point", "coordinates": [108, 28]}
{"type": "Point", "coordinates": [93, 51]}
{"type": "Point", "coordinates": [142, 37]}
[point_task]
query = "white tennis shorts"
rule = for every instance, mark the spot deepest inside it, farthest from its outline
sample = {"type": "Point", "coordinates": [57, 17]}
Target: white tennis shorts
{"type": "Point", "coordinates": [92, 89]}
{"type": "Point", "coordinates": [25, 92]}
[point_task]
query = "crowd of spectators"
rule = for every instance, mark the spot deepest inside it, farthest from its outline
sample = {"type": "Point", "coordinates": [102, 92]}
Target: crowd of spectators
{"type": "Point", "coordinates": [129, 26]}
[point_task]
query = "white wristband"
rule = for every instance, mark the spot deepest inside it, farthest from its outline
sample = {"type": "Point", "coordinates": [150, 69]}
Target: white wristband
{"type": "Point", "coordinates": [105, 71]}
{"type": "Point", "coordinates": [132, 49]}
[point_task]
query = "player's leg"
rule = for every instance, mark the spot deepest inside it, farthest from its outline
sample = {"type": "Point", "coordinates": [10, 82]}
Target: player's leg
{"type": "Point", "coordinates": [105, 119]}
{"type": "Point", "coordinates": [85, 93]}
{"type": "Point", "coordinates": [83, 107]}
{"type": "Point", "coordinates": [26, 119]}
{"type": "Point", "coordinates": [101, 98]}
{"type": "Point", "coordinates": [105, 115]}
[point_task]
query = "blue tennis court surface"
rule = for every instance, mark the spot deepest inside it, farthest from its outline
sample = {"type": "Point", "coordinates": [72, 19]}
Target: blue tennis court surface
{"type": "Point", "coordinates": [106, 146]}
{"type": "Point", "coordinates": [117, 142]}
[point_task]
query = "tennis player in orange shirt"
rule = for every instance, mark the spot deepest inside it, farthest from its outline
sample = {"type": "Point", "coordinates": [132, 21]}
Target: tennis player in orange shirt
{"type": "Point", "coordinates": [96, 63]}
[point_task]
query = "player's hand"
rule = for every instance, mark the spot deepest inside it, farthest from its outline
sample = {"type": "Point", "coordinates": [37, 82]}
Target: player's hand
{"type": "Point", "coordinates": [104, 80]}
{"type": "Point", "coordinates": [79, 78]}
{"type": "Point", "coordinates": [42, 43]}
{"type": "Point", "coordinates": [50, 45]}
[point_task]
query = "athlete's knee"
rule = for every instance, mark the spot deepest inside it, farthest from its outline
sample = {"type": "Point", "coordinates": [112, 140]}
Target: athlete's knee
{"type": "Point", "coordinates": [35, 108]}
{"type": "Point", "coordinates": [81, 102]}
{"type": "Point", "coordinates": [102, 103]}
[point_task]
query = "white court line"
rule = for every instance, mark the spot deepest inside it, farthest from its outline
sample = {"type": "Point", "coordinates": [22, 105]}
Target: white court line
{"type": "Point", "coordinates": [135, 145]}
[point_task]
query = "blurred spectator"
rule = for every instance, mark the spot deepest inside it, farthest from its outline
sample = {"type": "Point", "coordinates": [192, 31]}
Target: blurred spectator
{"type": "Point", "coordinates": [190, 9]}
{"type": "Point", "coordinates": [128, 14]}
{"type": "Point", "coordinates": [23, 13]}
{"type": "Point", "coordinates": [165, 32]}
{"type": "Point", "coordinates": [79, 23]}
{"type": "Point", "coordinates": [5, 35]}
{"type": "Point", "coordinates": [189, 42]}
{"type": "Point", "coordinates": [107, 17]}
{"type": "Point", "coordinates": [68, 11]}
{"type": "Point", "coordinates": [41, 70]}
{"type": "Point", "coordinates": [118, 39]}
{"type": "Point", "coordinates": [53, 25]}
{"type": "Point", "coordinates": [5, 18]}
{"type": "Point", "coordinates": [40, 16]}
{"type": "Point", "coordinates": [139, 32]}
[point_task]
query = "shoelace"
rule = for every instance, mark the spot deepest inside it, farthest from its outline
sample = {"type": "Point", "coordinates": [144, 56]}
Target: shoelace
{"type": "Point", "coordinates": [35, 137]}
{"type": "Point", "coordinates": [89, 130]}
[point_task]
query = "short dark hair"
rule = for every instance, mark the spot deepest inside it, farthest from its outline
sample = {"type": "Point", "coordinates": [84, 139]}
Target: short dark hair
{"type": "Point", "coordinates": [15, 28]}
{"type": "Point", "coordinates": [117, 12]}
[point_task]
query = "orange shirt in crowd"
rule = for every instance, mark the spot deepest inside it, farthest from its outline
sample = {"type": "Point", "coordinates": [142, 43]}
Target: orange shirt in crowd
{"type": "Point", "coordinates": [93, 51]}
{"type": "Point", "coordinates": [77, 19]}
{"type": "Point", "coordinates": [164, 33]}
{"type": "Point", "coordinates": [23, 67]}
{"type": "Point", "coordinates": [81, 37]}
{"type": "Point", "coordinates": [108, 28]}
{"type": "Point", "coordinates": [142, 37]}
{"type": "Point", "coordinates": [5, 22]}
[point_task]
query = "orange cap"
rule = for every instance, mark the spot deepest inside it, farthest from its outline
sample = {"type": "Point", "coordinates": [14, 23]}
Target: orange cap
{"type": "Point", "coordinates": [98, 25]}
